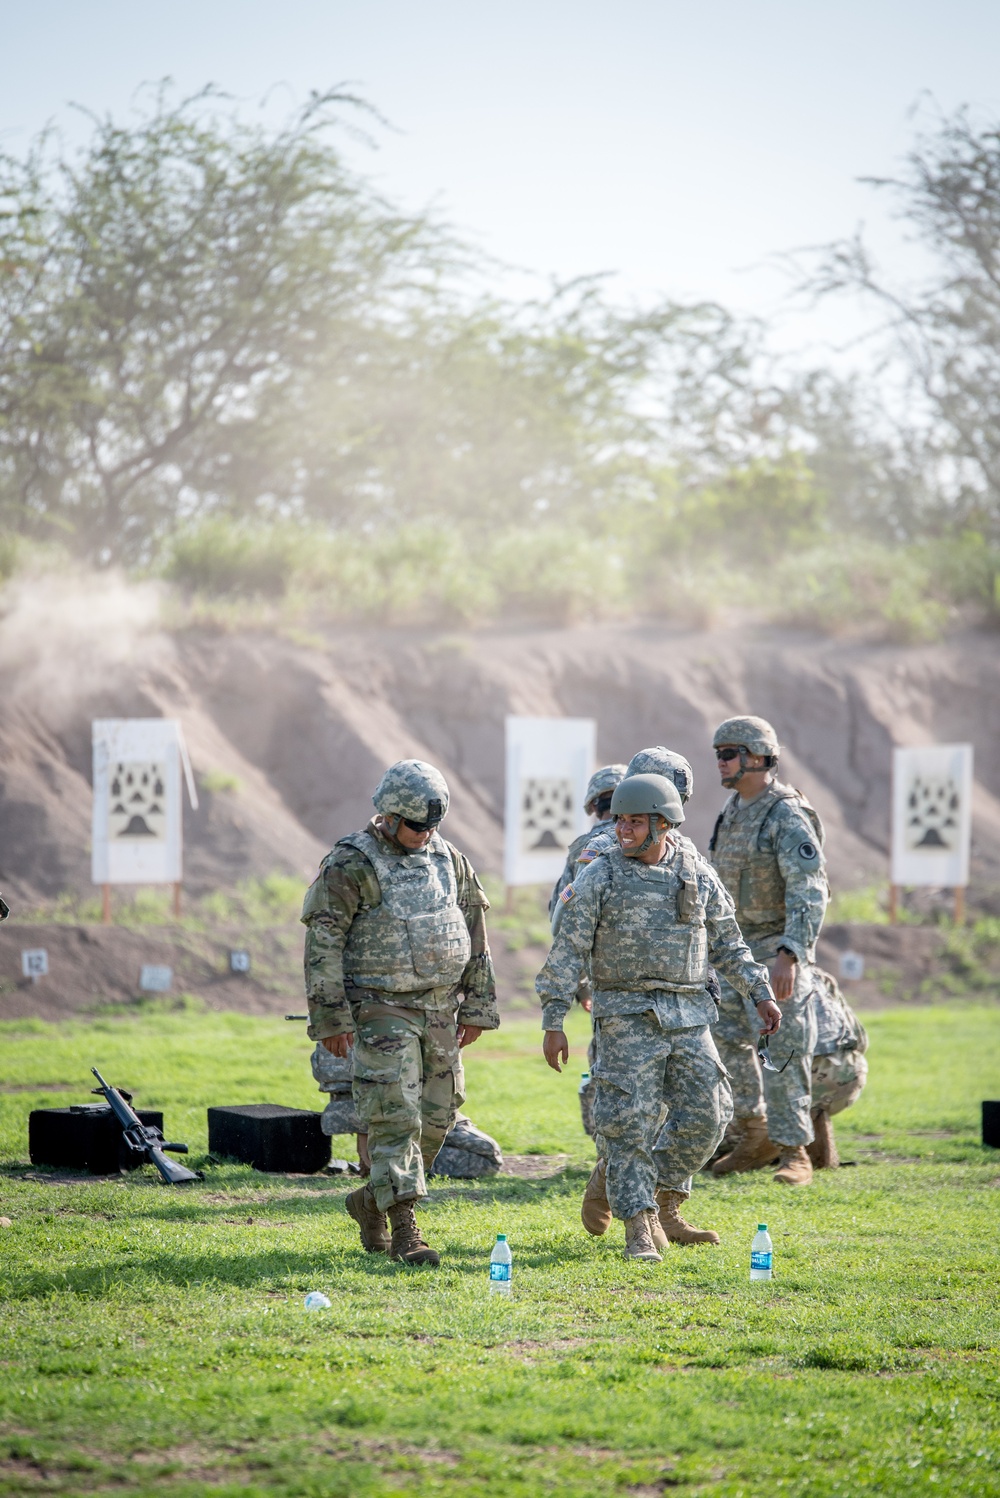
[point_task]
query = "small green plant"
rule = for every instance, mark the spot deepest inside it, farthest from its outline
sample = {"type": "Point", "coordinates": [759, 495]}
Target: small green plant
{"type": "Point", "coordinates": [215, 781]}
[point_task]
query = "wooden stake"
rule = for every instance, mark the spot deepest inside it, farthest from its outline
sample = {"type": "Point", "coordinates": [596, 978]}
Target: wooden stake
{"type": "Point", "coordinates": [960, 905]}
{"type": "Point", "coordinates": [106, 904]}
{"type": "Point", "coordinates": [177, 901]}
{"type": "Point", "coordinates": [893, 904]}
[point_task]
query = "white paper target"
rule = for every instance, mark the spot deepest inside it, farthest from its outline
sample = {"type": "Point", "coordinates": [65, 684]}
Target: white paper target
{"type": "Point", "coordinates": [549, 761]}
{"type": "Point", "coordinates": [932, 815]}
{"type": "Point", "coordinates": [137, 817]}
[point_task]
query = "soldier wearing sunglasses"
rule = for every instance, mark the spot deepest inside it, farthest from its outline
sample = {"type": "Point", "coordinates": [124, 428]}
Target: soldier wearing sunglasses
{"type": "Point", "coordinates": [767, 848]}
{"type": "Point", "coordinates": [398, 966]}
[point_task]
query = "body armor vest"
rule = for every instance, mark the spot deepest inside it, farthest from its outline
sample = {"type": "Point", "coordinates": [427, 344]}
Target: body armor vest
{"type": "Point", "coordinates": [417, 937]}
{"type": "Point", "coordinates": [748, 868]}
{"type": "Point", "coordinates": [652, 928]}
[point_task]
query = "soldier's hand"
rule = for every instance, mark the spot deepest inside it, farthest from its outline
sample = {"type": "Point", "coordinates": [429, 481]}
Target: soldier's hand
{"type": "Point", "coordinates": [587, 1005]}
{"type": "Point", "coordinates": [338, 1045]}
{"type": "Point", "coordinates": [770, 1015]}
{"type": "Point", "coordinates": [782, 971]}
{"type": "Point", "coordinates": [555, 1048]}
{"type": "Point", "coordinates": [467, 1034]}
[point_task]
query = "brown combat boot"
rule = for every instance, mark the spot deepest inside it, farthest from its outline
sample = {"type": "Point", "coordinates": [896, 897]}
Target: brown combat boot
{"type": "Point", "coordinates": [407, 1244]}
{"type": "Point", "coordinates": [794, 1167]}
{"type": "Point", "coordinates": [753, 1152]}
{"type": "Point", "coordinates": [595, 1213]}
{"type": "Point", "coordinates": [639, 1237]}
{"type": "Point", "coordinates": [823, 1151]}
{"type": "Point", "coordinates": [672, 1224]}
{"type": "Point", "coordinates": [361, 1205]}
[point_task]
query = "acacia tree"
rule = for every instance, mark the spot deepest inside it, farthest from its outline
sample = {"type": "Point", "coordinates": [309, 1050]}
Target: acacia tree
{"type": "Point", "coordinates": [947, 327]}
{"type": "Point", "coordinates": [158, 291]}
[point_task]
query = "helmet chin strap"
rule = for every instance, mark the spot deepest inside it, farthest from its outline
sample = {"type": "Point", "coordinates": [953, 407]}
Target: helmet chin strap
{"type": "Point", "coordinates": [732, 781]}
{"type": "Point", "coordinates": [652, 835]}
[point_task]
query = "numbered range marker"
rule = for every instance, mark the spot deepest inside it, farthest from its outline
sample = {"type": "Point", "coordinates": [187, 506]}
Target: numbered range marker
{"type": "Point", "coordinates": [155, 978]}
{"type": "Point", "coordinates": [852, 966]}
{"type": "Point", "coordinates": [35, 963]}
{"type": "Point", "coordinates": [239, 962]}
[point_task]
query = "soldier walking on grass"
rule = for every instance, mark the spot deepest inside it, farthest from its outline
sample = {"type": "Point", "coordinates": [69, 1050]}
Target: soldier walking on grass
{"type": "Point", "coordinates": [767, 849]}
{"type": "Point", "coordinates": [396, 931]}
{"type": "Point", "coordinates": [648, 916]}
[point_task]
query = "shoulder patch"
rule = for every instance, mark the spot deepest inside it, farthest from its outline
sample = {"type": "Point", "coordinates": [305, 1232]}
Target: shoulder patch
{"type": "Point", "coordinates": [808, 852]}
{"type": "Point", "coordinates": [587, 856]}
{"type": "Point", "coordinates": [567, 894]}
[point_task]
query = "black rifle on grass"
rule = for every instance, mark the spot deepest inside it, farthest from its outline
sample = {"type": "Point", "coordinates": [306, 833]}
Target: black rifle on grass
{"type": "Point", "coordinates": [142, 1139]}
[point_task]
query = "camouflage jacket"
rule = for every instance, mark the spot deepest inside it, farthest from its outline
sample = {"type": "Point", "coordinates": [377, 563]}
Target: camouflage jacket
{"type": "Point", "coordinates": [768, 853]}
{"type": "Point", "coordinates": [690, 910]}
{"type": "Point", "coordinates": [346, 886]}
{"type": "Point", "coordinates": [571, 868]}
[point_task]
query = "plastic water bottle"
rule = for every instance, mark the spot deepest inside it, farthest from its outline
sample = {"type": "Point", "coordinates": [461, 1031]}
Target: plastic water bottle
{"type": "Point", "coordinates": [316, 1301]}
{"type": "Point", "coordinates": [500, 1262]}
{"type": "Point", "coordinates": [761, 1250]}
{"type": "Point", "coordinates": [584, 1081]}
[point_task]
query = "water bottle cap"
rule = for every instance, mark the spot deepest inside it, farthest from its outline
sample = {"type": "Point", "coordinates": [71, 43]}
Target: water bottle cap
{"type": "Point", "coordinates": [501, 1237]}
{"type": "Point", "coordinates": [762, 1227]}
{"type": "Point", "coordinates": [585, 1076]}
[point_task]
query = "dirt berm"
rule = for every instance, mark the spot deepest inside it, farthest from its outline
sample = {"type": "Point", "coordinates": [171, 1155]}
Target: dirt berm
{"type": "Point", "coordinates": [288, 737]}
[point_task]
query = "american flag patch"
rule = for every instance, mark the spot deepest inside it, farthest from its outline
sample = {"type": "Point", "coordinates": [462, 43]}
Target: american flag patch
{"type": "Point", "coordinates": [567, 894]}
{"type": "Point", "coordinates": [587, 856]}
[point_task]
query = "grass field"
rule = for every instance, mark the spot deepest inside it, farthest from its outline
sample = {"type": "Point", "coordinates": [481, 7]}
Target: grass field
{"type": "Point", "coordinates": [154, 1340]}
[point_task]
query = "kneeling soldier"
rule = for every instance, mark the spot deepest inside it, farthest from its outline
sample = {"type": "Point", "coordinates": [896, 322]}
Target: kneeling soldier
{"type": "Point", "coordinates": [397, 930]}
{"type": "Point", "coordinates": [648, 917]}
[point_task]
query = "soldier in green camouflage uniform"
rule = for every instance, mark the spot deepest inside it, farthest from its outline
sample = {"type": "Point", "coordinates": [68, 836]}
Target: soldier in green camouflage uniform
{"type": "Point", "coordinates": [648, 916]}
{"type": "Point", "coordinates": [767, 849]}
{"type": "Point", "coordinates": [396, 931]}
{"type": "Point", "coordinates": [596, 803]}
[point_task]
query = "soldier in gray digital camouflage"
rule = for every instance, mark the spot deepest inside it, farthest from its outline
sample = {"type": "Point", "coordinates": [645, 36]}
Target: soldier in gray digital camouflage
{"type": "Point", "coordinates": [397, 964]}
{"type": "Point", "coordinates": [647, 916]}
{"type": "Point", "coordinates": [767, 849]}
{"type": "Point", "coordinates": [839, 1066]}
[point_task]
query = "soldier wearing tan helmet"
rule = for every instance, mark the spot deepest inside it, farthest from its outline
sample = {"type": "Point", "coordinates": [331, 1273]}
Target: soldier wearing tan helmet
{"type": "Point", "coordinates": [767, 848]}
{"type": "Point", "coordinates": [396, 932]}
{"type": "Point", "coordinates": [647, 917]}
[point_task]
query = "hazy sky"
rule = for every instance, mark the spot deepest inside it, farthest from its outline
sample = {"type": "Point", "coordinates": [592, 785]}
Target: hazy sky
{"type": "Point", "coordinates": [677, 144]}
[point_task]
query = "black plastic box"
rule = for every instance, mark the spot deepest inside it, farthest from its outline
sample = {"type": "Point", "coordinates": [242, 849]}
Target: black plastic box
{"type": "Point", "coordinates": [991, 1124]}
{"type": "Point", "coordinates": [87, 1137]}
{"type": "Point", "coordinates": [269, 1137]}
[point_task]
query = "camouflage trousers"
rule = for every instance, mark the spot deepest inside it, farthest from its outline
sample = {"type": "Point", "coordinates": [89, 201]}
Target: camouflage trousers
{"type": "Point", "coordinates": [641, 1068]}
{"type": "Point", "coordinates": [784, 1097]}
{"type": "Point", "coordinates": [409, 1084]}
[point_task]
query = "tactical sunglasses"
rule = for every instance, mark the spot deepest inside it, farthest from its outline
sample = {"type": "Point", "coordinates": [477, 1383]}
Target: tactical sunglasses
{"type": "Point", "coordinates": [435, 814]}
{"type": "Point", "coordinates": [727, 754]}
{"type": "Point", "coordinates": [764, 1057]}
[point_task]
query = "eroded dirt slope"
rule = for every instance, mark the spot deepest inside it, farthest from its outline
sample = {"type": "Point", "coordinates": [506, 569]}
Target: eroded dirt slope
{"type": "Point", "coordinates": [301, 731]}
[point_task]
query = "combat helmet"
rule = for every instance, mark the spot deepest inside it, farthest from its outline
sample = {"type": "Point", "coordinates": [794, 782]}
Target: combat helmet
{"type": "Point", "coordinates": [600, 785]}
{"type": "Point", "coordinates": [750, 736]}
{"type": "Point", "coordinates": [652, 795]}
{"type": "Point", "coordinates": [414, 790]}
{"type": "Point", "coordinates": [660, 761]}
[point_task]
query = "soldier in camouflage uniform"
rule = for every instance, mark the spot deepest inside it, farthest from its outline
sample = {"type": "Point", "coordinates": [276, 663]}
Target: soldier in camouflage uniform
{"type": "Point", "coordinates": [839, 1067]}
{"type": "Point", "coordinates": [596, 803]}
{"type": "Point", "coordinates": [767, 849]}
{"type": "Point", "coordinates": [396, 931]}
{"type": "Point", "coordinates": [648, 916]}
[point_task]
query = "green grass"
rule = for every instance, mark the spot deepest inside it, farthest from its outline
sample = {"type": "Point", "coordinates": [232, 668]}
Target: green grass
{"type": "Point", "coordinates": [154, 1340]}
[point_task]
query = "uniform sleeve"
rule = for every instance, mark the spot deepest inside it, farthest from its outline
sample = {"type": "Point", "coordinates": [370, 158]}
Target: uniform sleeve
{"type": "Point", "coordinates": [727, 951]}
{"type": "Point", "coordinates": [346, 880]}
{"type": "Point", "coordinates": [572, 943]}
{"type": "Point", "coordinates": [478, 983]}
{"type": "Point", "coordinates": [566, 877]}
{"type": "Point", "coordinates": [803, 869]}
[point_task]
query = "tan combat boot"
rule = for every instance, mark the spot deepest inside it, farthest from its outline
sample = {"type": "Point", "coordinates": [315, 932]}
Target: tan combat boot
{"type": "Point", "coordinates": [753, 1152]}
{"type": "Point", "coordinates": [361, 1205]}
{"type": "Point", "coordinates": [823, 1151]}
{"type": "Point", "coordinates": [672, 1224]}
{"type": "Point", "coordinates": [595, 1213]}
{"type": "Point", "coordinates": [639, 1237]}
{"type": "Point", "coordinates": [407, 1244]}
{"type": "Point", "coordinates": [794, 1166]}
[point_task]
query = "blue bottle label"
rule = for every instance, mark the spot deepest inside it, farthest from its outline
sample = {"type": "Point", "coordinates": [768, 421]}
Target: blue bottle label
{"type": "Point", "coordinates": [760, 1261]}
{"type": "Point", "coordinates": [499, 1271]}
